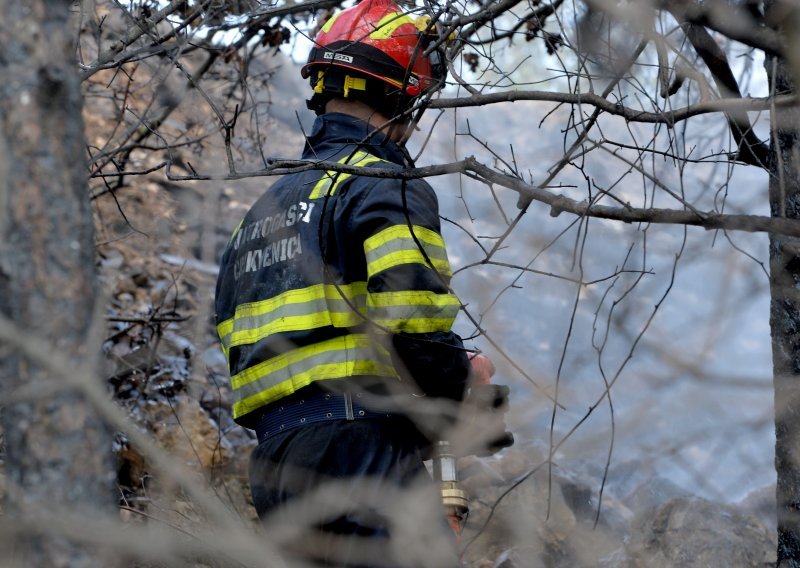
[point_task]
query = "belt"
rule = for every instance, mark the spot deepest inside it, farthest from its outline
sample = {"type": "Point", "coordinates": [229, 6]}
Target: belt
{"type": "Point", "coordinates": [295, 411]}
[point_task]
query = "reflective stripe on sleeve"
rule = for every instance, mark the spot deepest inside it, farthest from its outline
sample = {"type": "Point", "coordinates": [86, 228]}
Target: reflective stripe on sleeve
{"type": "Point", "coordinates": [295, 310]}
{"type": "Point", "coordinates": [396, 245]}
{"type": "Point", "coordinates": [340, 357]}
{"type": "Point", "coordinates": [413, 311]}
{"type": "Point", "coordinates": [331, 179]}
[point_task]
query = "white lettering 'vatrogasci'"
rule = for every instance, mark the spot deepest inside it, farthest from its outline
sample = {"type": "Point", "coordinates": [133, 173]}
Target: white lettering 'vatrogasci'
{"type": "Point", "coordinates": [273, 251]}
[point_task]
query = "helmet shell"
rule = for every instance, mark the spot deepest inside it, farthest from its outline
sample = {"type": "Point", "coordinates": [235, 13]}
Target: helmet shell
{"type": "Point", "coordinates": [377, 38]}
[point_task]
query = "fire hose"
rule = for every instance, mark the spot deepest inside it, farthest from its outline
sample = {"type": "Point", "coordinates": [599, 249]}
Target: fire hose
{"type": "Point", "coordinates": [483, 397]}
{"type": "Point", "coordinates": [454, 499]}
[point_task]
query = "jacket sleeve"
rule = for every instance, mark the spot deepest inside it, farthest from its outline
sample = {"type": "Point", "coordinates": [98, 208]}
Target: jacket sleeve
{"type": "Point", "coordinates": [396, 223]}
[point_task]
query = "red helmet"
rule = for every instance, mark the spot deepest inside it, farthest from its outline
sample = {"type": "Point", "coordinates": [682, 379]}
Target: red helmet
{"type": "Point", "coordinates": [376, 38]}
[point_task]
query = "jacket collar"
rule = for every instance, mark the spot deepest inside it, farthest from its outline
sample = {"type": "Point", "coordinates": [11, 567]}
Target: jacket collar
{"type": "Point", "coordinates": [333, 130]}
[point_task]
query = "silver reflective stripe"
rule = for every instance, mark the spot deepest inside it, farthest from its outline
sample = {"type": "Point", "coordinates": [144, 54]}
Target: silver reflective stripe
{"type": "Point", "coordinates": [296, 309]}
{"type": "Point", "coordinates": [280, 319]}
{"type": "Point", "coordinates": [399, 251]}
{"type": "Point", "coordinates": [407, 244]}
{"type": "Point", "coordinates": [433, 312]}
{"type": "Point", "coordinates": [321, 365]}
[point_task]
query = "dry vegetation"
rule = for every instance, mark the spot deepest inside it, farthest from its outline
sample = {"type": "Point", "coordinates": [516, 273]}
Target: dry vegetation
{"type": "Point", "coordinates": [184, 130]}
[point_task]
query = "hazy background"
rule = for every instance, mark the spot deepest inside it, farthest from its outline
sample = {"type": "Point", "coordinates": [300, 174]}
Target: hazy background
{"type": "Point", "coordinates": [692, 396]}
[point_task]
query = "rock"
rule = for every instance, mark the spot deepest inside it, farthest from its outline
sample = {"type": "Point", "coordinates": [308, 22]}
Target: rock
{"type": "Point", "coordinates": [242, 442]}
{"type": "Point", "coordinates": [624, 478]}
{"type": "Point", "coordinates": [140, 279]}
{"type": "Point", "coordinates": [521, 556]}
{"type": "Point", "coordinates": [618, 558]}
{"type": "Point", "coordinates": [214, 398]}
{"type": "Point", "coordinates": [125, 515]}
{"type": "Point", "coordinates": [222, 416]}
{"type": "Point", "coordinates": [477, 474]}
{"type": "Point", "coordinates": [190, 263]}
{"type": "Point", "coordinates": [163, 293]}
{"type": "Point", "coordinates": [691, 532]}
{"type": "Point", "coordinates": [131, 465]}
{"type": "Point", "coordinates": [111, 259]}
{"type": "Point", "coordinates": [762, 503]}
{"type": "Point", "coordinates": [187, 432]}
{"type": "Point", "coordinates": [614, 517]}
{"type": "Point", "coordinates": [579, 498]}
{"type": "Point", "coordinates": [651, 493]}
{"type": "Point", "coordinates": [132, 362]}
{"type": "Point", "coordinates": [125, 299]}
{"type": "Point", "coordinates": [215, 360]}
{"type": "Point", "coordinates": [534, 514]}
{"type": "Point", "coordinates": [514, 463]}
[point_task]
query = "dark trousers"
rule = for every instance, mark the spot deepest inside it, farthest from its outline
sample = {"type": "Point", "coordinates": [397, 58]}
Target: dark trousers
{"type": "Point", "coordinates": [350, 493]}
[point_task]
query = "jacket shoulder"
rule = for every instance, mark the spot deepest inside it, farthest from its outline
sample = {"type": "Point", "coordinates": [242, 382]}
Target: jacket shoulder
{"type": "Point", "coordinates": [392, 189]}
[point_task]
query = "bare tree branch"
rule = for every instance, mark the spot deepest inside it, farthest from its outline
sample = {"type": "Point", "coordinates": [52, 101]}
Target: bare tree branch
{"type": "Point", "coordinates": [668, 117]}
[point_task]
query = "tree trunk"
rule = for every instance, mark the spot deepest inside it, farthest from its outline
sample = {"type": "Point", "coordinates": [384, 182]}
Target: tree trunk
{"type": "Point", "coordinates": [58, 454]}
{"type": "Point", "coordinates": [784, 252]}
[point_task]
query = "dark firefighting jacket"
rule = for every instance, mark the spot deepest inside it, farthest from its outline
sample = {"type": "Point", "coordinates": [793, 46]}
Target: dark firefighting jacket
{"type": "Point", "coordinates": [339, 276]}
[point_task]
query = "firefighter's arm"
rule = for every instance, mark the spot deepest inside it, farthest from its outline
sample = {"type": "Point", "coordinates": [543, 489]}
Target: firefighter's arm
{"type": "Point", "coordinates": [408, 275]}
{"type": "Point", "coordinates": [408, 294]}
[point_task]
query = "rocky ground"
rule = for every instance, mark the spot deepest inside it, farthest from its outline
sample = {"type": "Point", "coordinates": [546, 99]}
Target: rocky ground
{"type": "Point", "coordinates": [520, 519]}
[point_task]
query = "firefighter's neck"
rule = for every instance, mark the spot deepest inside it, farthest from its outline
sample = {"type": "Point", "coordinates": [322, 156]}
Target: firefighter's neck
{"type": "Point", "coordinates": [397, 131]}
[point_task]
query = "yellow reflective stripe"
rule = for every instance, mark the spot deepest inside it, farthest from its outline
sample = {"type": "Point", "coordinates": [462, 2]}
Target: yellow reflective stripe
{"type": "Point", "coordinates": [387, 25]}
{"type": "Point", "coordinates": [236, 230]}
{"type": "Point", "coordinates": [417, 325]}
{"type": "Point", "coordinates": [295, 323]}
{"type": "Point", "coordinates": [413, 298]}
{"type": "Point", "coordinates": [300, 296]}
{"type": "Point", "coordinates": [298, 359]}
{"type": "Point", "coordinates": [323, 372]}
{"type": "Point", "coordinates": [329, 24]}
{"type": "Point", "coordinates": [396, 245]}
{"type": "Point", "coordinates": [324, 183]}
{"type": "Point", "coordinates": [301, 309]}
{"type": "Point", "coordinates": [423, 234]}
{"type": "Point", "coordinates": [340, 357]}
{"type": "Point", "coordinates": [413, 311]}
{"type": "Point", "coordinates": [323, 186]}
{"type": "Point", "coordinates": [408, 257]}
{"type": "Point", "coordinates": [223, 331]}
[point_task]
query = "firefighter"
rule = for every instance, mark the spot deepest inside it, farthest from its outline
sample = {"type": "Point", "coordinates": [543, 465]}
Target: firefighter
{"type": "Point", "coordinates": [334, 308]}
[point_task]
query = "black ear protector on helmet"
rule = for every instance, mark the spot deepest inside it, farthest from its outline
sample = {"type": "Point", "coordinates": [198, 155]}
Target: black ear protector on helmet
{"type": "Point", "coordinates": [337, 82]}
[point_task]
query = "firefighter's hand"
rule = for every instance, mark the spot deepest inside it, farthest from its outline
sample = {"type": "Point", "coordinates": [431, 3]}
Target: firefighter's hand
{"type": "Point", "coordinates": [482, 369]}
{"type": "Point", "coordinates": [482, 426]}
{"type": "Point", "coordinates": [474, 426]}
{"type": "Point", "coordinates": [485, 408]}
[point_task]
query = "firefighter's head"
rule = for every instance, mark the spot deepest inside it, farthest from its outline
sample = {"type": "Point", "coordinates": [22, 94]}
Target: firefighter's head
{"type": "Point", "coordinates": [375, 53]}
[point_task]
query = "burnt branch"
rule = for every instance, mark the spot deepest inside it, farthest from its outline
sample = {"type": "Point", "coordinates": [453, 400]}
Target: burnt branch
{"type": "Point", "coordinates": [528, 192]}
{"type": "Point", "coordinates": [751, 150]}
{"type": "Point", "coordinates": [668, 117]}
